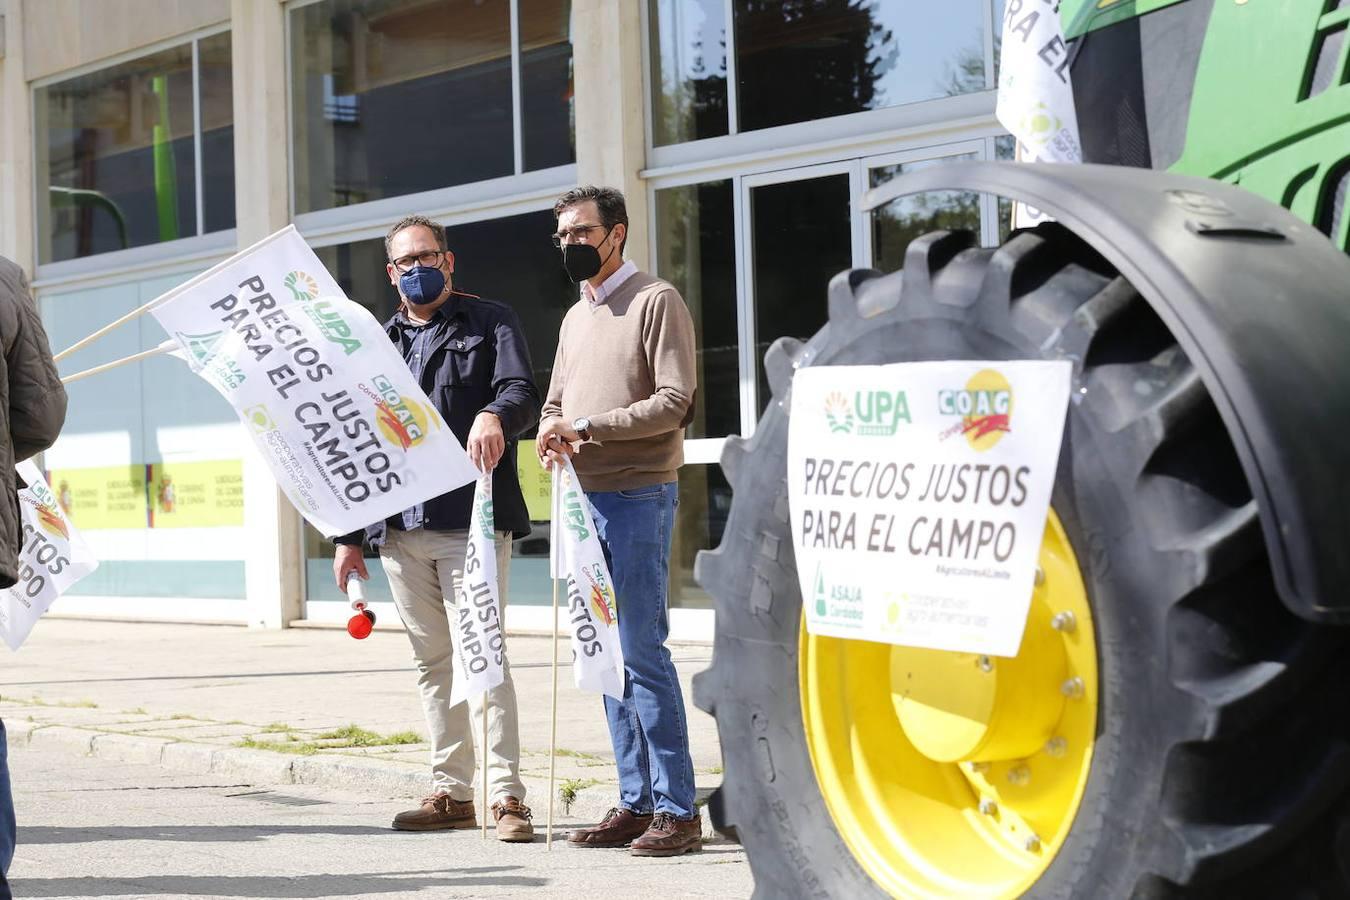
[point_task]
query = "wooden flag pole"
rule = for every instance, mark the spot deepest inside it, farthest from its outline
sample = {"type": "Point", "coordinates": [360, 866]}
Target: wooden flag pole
{"type": "Point", "coordinates": [135, 357]}
{"type": "Point", "coordinates": [553, 715]}
{"type": "Point", "coordinates": [484, 763]}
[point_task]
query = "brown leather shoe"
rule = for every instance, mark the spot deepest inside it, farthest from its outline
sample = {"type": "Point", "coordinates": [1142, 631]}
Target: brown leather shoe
{"type": "Point", "coordinates": [669, 836]}
{"type": "Point", "coordinates": [437, 812]}
{"type": "Point", "coordinates": [616, 829]}
{"type": "Point", "coordinates": [513, 821]}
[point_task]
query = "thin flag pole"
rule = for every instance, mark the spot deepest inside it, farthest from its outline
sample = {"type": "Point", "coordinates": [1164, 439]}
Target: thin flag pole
{"type": "Point", "coordinates": [135, 357]}
{"type": "Point", "coordinates": [553, 714]}
{"type": "Point", "coordinates": [484, 764]}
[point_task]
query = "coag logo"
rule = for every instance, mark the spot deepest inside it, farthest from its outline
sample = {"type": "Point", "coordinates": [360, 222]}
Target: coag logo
{"type": "Point", "coordinates": [332, 325]}
{"type": "Point", "coordinates": [52, 523]}
{"type": "Point", "coordinates": [602, 595]}
{"type": "Point", "coordinates": [872, 413]}
{"type": "Point", "coordinates": [301, 285]}
{"type": "Point", "coordinates": [985, 408]}
{"type": "Point", "coordinates": [403, 422]}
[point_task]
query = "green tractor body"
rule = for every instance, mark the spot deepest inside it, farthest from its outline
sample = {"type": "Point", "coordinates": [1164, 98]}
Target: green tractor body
{"type": "Point", "coordinates": [1193, 737]}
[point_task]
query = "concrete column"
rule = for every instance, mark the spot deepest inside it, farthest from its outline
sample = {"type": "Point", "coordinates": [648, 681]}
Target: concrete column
{"type": "Point", "coordinates": [611, 109]}
{"type": "Point", "coordinates": [16, 142]}
{"type": "Point", "coordinates": [273, 573]}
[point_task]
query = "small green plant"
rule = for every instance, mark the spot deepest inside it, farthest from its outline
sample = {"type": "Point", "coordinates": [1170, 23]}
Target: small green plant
{"type": "Point", "coordinates": [138, 711]}
{"type": "Point", "coordinates": [568, 790]}
{"type": "Point", "coordinates": [305, 748]}
{"type": "Point", "coordinates": [276, 728]}
{"type": "Point", "coordinates": [577, 754]}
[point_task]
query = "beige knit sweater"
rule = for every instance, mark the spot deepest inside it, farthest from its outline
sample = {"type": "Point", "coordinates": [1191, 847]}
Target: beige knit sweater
{"type": "Point", "coordinates": [628, 366]}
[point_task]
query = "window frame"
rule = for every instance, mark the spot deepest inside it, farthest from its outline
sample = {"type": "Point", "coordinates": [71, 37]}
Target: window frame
{"type": "Point", "coordinates": [520, 186]}
{"type": "Point", "coordinates": [132, 259]}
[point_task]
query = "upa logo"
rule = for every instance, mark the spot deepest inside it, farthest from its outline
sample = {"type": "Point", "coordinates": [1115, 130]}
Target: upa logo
{"type": "Point", "coordinates": [403, 422]}
{"type": "Point", "coordinates": [301, 285]}
{"type": "Point", "coordinates": [333, 327]}
{"type": "Point", "coordinates": [870, 414]}
{"type": "Point", "coordinates": [985, 407]}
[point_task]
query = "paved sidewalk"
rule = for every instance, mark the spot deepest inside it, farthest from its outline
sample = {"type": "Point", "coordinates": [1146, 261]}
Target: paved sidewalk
{"type": "Point", "coordinates": [277, 707]}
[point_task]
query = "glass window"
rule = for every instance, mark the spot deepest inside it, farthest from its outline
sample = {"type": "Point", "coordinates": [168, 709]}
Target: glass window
{"type": "Point", "coordinates": [697, 254]}
{"type": "Point", "coordinates": [1005, 150]}
{"type": "Point", "coordinates": [801, 237]}
{"type": "Point", "coordinates": [392, 97]}
{"type": "Point", "coordinates": [547, 117]}
{"type": "Point", "coordinates": [810, 59]}
{"type": "Point", "coordinates": [510, 260]}
{"type": "Point", "coordinates": [700, 519]}
{"type": "Point", "coordinates": [905, 218]}
{"type": "Point", "coordinates": [689, 69]}
{"type": "Point", "coordinates": [116, 162]}
{"type": "Point", "coordinates": [149, 462]}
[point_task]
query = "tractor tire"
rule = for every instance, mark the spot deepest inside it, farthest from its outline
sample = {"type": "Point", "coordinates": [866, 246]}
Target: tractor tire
{"type": "Point", "coordinates": [1222, 757]}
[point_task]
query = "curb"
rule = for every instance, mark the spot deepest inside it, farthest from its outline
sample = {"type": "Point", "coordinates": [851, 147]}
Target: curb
{"type": "Point", "coordinates": [267, 767]}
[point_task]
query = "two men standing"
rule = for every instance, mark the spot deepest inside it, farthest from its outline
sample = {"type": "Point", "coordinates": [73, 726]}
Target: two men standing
{"type": "Point", "coordinates": [622, 392]}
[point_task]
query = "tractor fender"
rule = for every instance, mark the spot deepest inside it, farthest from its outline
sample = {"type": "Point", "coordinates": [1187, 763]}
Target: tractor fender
{"type": "Point", "coordinates": [1260, 302]}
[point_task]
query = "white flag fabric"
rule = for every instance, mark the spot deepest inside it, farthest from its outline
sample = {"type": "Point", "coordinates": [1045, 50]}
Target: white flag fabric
{"type": "Point", "coordinates": [1035, 95]}
{"type": "Point", "coordinates": [592, 610]}
{"type": "Point", "coordinates": [321, 390]}
{"type": "Point", "coordinates": [480, 644]}
{"type": "Point", "coordinates": [53, 557]}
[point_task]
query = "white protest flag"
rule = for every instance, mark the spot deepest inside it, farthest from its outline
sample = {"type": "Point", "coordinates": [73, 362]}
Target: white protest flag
{"type": "Point", "coordinates": [321, 390]}
{"type": "Point", "coordinates": [1035, 95]}
{"type": "Point", "coordinates": [480, 644]}
{"type": "Point", "coordinates": [592, 611]}
{"type": "Point", "coordinates": [52, 557]}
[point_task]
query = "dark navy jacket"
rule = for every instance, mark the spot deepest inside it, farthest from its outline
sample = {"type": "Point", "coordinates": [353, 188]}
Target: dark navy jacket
{"type": "Point", "coordinates": [477, 361]}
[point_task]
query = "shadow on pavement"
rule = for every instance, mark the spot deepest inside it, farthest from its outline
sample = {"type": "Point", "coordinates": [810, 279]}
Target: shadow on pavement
{"type": "Point", "coordinates": [315, 886]}
{"type": "Point", "coordinates": [51, 834]}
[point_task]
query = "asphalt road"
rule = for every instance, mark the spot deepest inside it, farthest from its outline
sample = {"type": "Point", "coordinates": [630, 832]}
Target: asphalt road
{"type": "Point", "coordinates": [93, 828]}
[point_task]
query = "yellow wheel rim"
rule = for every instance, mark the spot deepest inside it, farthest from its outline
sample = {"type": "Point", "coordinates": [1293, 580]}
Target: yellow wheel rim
{"type": "Point", "coordinates": [951, 775]}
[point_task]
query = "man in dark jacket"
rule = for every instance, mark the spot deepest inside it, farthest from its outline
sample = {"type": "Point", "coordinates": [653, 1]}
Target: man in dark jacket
{"type": "Point", "coordinates": [33, 409]}
{"type": "Point", "coordinates": [470, 357]}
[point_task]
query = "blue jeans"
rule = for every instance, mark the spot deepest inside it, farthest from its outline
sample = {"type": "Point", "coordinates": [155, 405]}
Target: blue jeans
{"type": "Point", "coordinates": [648, 729]}
{"type": "Point", "coordinates": [7, 831]}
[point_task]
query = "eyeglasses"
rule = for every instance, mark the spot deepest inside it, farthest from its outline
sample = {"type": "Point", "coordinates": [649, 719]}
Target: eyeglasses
{"type": "Point", "coordinates": [429, 258]}
{"type": "Point", "coordinates": [575, 235]}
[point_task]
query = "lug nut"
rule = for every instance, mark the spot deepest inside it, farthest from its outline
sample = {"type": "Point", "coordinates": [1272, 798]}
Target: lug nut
{"type": "Point", "coordinates": [1032, 844]}
{"type": "Point", "coordinates": [1064, 621]}
{"type": "Point", "coordinates": [1019, 776]}
{"type": "Point", "coordinates": [988, 807]}
{"type": "Point", "coordinates": [1056, 747]}
{"type": "Point", "coordinates": [1072, 688]}
{"type": "Point", "coordinates": [985, 664]}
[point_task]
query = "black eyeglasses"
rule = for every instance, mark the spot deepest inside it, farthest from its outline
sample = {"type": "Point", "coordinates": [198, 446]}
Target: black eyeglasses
{"type": "Point", "coordinates": [429, 258]}
{"type": "Point", "coordinates": [577, 234]}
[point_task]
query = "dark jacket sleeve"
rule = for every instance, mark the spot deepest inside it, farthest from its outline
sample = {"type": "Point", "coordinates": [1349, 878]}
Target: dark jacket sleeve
{"type": "Point", "coordinates": [354, 539]}
{"type": "Point", "coordinates": [37, 399]}
{"type": "Point", "coordinates": [515, 396]}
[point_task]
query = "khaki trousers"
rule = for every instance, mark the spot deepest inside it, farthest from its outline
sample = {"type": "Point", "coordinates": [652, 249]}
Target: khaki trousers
{"type": "Point", "coordinates": [425, 569]}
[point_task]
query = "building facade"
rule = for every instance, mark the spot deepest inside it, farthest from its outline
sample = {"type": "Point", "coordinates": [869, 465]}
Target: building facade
{"type": "Point", "coordinates": [142, 141]}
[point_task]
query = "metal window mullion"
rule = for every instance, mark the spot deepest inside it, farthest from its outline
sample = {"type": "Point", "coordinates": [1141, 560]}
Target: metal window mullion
{"type": "Point", "coordinates": [733, 103]}
{"type": "Point", "coordinates": [197, 133]}
{"type": "Point", "coordinates": [517, 116]}
{"type": "Point", "coordinates": [989, 24]}
{"type": "Point", "coordinates": [989, 205]}
{"type": "Point", "coordinates": [745, 318]}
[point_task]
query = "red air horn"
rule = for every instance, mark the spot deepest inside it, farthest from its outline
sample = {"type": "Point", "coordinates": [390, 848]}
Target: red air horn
{"type": "Point", "coordinates": [359, 625]}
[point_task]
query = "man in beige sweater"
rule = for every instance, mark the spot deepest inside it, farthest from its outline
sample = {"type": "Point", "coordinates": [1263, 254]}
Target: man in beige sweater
{"type": "Point", "coordinates": [621, 394]}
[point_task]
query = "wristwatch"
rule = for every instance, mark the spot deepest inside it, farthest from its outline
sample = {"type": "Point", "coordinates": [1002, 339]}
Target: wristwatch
{"type": "Point", "coordinates": [582, 427]}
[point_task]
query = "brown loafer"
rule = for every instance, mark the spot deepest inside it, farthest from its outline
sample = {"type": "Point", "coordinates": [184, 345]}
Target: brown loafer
{"type": "Point", "coordinates": [513, 821]}
{"type": "Point", "coordinates": [669, 836]}
{"type": "Point", "coordinates": [437, 812]}
{"type": "Point", "coordinates": [616, 829]}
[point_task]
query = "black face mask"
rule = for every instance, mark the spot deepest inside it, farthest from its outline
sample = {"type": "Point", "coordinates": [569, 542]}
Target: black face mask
{"type": "Point", "coordinates": [582, 261]}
